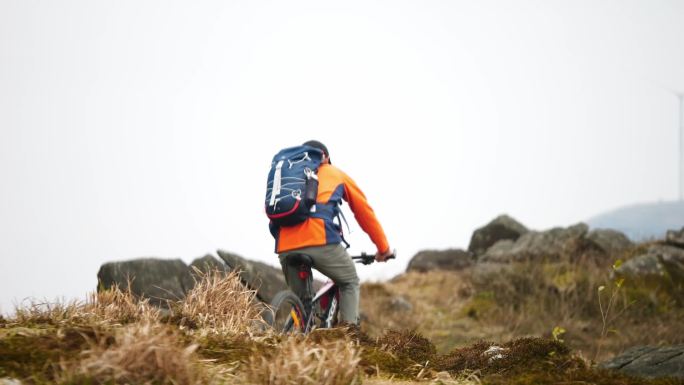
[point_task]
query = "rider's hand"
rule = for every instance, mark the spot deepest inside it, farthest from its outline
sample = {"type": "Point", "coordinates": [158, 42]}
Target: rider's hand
{"type": "Point", "coordinates": [382, 257]}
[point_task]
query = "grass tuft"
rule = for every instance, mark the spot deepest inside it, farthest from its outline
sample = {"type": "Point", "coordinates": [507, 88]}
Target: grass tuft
{"type": "Point", "coordinates": [141, 353]}
{"type": "Point", "coordinates": [112, 306]}
{"type": "Point", "coordinates": [45, 312]}
{"type": "Point", "coordinates": [116, 306]}
{"type": "Point", "coordinates": [301, 361]}
{"type": "Point", "coordinates": [408, 343]}
{"type": "Point", "coordinates": [219, 303]}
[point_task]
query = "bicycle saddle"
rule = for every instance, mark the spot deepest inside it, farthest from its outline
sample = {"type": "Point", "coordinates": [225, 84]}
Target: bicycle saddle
{"type": "Point", "coordinates": [299, 260]}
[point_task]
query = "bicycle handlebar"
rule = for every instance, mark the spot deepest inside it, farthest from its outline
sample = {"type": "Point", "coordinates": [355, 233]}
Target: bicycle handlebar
{"type": "Point", "coordinates": [367, 259]}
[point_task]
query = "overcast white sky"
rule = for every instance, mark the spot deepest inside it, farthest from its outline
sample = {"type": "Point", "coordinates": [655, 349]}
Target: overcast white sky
{"type": "Point", "coordinates": [146, 128]}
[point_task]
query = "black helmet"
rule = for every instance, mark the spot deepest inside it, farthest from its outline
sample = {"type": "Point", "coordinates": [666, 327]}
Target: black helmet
{"type": "Point", "coordinates": [318, 145]}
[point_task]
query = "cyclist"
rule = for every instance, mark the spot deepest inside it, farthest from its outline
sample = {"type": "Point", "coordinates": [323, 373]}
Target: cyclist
{"type": "Point", "coordinates": [320, 237]}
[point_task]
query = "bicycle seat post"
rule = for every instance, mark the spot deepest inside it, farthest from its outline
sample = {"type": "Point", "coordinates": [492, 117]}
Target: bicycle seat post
{"type": "Point", "coordinates": [301, 265]}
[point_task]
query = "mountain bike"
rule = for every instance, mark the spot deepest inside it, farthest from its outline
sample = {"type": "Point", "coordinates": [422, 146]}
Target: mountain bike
{"type": "Point", "coordinates": [294, 314]}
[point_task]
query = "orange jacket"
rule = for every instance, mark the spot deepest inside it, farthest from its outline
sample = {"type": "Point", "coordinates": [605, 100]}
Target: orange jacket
{"type": "Point", "coordinates": [320, 229]}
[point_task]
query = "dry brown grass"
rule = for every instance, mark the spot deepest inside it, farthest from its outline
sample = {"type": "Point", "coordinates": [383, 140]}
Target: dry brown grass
{"type": "Point", "coordinates": [219, 303]}
{"type": "Point", "coordinates": [42, 312]}
{"type": "Point", "coordinates": [301, 361]}
{"type": "Point", "coordinates": [436, 297]}
{"type": "Point", "coordinates": [444, 291]}
{"type": "Point", "coordinates": [118, 306]}
{"type": "Point", "coordinates": [112, 306]}
{"type": "Point", "coordinates": [140, 353]}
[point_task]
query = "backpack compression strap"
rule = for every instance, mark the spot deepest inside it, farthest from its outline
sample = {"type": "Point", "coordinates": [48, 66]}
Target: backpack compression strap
{"type": "Point", "coordinates": [276, 183]}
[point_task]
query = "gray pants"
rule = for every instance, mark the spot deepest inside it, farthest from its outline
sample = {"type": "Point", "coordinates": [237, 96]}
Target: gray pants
{"type": "Point", "coordinates": [334, 262]}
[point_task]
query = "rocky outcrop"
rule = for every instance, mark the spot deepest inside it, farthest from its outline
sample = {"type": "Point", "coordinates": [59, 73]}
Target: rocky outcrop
{"type": "Point", "coordinates": [673, 260]}
{"type": "Point", "coordinates": [609, 242]}
{"type": "Point", "coordinates": [451, 259]}
{"type": "Point", "coordinates": [265, 279]}
{"type": "Point", "coordinates": [650, 362]}
{"type": "Point", "coordinates": [502, 227]}
{"type": "Point", "coordinates": [160, 280]}
{"type": "Point", "coordinates": [658, 263]}
{"type": "Point", "coordinates": [643, 267]}
{"type": "Point", "coordinates": [483, 273]}
{"type": "Point", "coordinates": [537, 245]}
{"type": "Point", "coordinates": [675, 238]}
{"type": "Point", "coordinates": [206, 264]}
{"type": "Point", "coordinates": [163, 280]}
{"type": "Point", "coordinates": [499, 252]}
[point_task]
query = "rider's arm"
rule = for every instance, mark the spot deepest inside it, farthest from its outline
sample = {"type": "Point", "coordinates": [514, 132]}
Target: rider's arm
{"type": "Point", "coordinates": [364, 214]}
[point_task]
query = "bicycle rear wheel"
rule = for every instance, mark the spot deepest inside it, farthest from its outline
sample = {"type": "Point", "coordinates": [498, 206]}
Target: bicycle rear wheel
{"type": "Point", "coordinates": [288, 312]}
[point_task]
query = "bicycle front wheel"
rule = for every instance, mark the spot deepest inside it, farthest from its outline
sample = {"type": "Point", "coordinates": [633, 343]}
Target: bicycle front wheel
{"type": "Point", "coordinates": [288, 312]}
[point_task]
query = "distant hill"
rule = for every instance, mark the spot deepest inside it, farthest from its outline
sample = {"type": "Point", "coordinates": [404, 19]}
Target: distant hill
{"type": "Point", "coordinates": [642, 221]}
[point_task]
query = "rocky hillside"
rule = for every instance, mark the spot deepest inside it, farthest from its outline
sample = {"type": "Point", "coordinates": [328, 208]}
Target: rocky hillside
{"type": "Point", "coordinates": [595, 290]}
{"type": "Point", "coordinates": [214, 336]}
{"type": "Point", "coordinates": [518, 306]}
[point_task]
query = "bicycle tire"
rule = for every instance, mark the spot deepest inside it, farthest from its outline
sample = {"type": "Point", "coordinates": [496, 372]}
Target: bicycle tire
{"type": "Point", "coordinates": [284, 305]}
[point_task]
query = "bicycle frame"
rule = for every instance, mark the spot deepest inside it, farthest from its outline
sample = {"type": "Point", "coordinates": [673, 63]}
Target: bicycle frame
{"type": "Point", "coordinates": [323, 305]}
{"type": "Point", "coordinates": [330, 310]}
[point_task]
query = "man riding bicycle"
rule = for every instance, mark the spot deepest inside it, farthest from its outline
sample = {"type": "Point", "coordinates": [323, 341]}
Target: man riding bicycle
{"type": "Point", "coordinates": [320, 237]}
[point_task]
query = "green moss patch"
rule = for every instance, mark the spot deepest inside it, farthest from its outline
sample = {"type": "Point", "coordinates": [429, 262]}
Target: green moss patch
{"type": "Point", "coordinates": [521, 355]}
{"type": "Point", "coordinates": [36, 353]}
{"type": "Point", "coordinates": [408, 344]}
{"type": "Point", "coordinates": [376, 361]}
{"type": "Point", "coordinates": [231, 349]}
{"type": "Point", "coordinates": [480, 304]}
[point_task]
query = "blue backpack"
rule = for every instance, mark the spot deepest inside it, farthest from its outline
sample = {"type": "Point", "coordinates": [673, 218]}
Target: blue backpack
{"type": "Point", "coordinates": [293, 185]}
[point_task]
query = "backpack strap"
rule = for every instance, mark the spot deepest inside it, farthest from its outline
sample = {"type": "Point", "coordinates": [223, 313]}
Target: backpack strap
{"type": "Point", "coordinates": [341, 215]}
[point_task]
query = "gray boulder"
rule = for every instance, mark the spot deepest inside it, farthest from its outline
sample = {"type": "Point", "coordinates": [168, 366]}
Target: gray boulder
{"type": "Point", "coordinates": [451, 259]}
{"type": "Point", "coordinates": [206, 264]}
{"type": "Point", "coordinates": [673, 260]}
{"type": "Point", "coordinates": [662, 266]}
{"type": "Point", "coordinates": [536, 245]}
{"type": "Point", "coordinates": [650, 362]}
{"type": "Point", "coordinates": [499, 252]}
{"type": "Point", "coordinates": [502, 227]}
{"type": "Point", "coordinates": [675, 238]}
{"type": "Point", "coordinates": [609, 242]}
{"type": "Point", "coordinates": [659, 260]}
{"type": "Point", "coordinates": [265, 279]}
{"type": "Point", "coordinates": [643, 267]}
{"type": "Point", "coordinates": [160, 280]}
{"type": "Point", "coordinates": [484, 273]}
